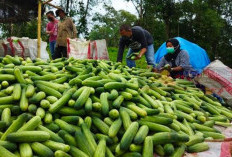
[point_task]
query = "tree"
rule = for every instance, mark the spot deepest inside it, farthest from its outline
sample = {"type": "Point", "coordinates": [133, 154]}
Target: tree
{"type": "Point", "coordinates": [80, 10]}
{"type": "Point", "coordinates": [107, 26]}
{"type": "Point", "coordinates": [24, 29]}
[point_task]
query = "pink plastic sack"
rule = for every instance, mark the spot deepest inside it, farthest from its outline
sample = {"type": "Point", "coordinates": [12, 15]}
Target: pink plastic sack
{"type": "Point", "coordinates": [218, 78]}
{"type": "Point", "coordinates": [13, 46]}
{"type": "Point", "coordinates": [78, 49]}
{"type": "Point", "coordinates": [99, 50]}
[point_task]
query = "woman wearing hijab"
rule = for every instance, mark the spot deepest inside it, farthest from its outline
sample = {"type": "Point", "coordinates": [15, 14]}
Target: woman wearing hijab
{"type": "Point", "coordinates": [178, 60]}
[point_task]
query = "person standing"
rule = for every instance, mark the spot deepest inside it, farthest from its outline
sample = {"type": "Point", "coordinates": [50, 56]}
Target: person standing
{"type": "Point", "coordinates": [66, 29]}
{"type": "Point", "coordinates": [138, 40]}
{"type": "Point", "coordinates": [51, 30]}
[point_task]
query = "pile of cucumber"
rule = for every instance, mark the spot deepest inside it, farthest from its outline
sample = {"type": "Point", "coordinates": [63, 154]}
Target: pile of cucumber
{"type": "Point", "coordinates": [89, 108]}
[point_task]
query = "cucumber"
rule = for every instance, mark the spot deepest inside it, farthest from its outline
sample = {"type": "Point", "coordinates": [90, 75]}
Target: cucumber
{"type": "Point", "coordinates": [45, 104]}
{"type": "Point", "coordinates": [49, 91]}
{"type": "Point", "coordinates": [203, 128]}
{"type": "Point", "coordinates": [17, 92]}
{"type": "Point", "coordinates": [141, 134]}
{"type": "Point", "coordinates": [78, 93]}
{"type": "Point", "coordinates": [113, 114]}
{"type": "Point", "coordinates": [82, 98]}
{"type": "Point", "coordinates": [125, 118]}
{"type": "Point", "coordinates": [75, 81]}
{"type": "Point", "coordinates": [139, 111]}
{"type": "Point", "coordinates": [23, 101]}
{"type": "Point", "coordinates": [46, 77]}
{"type": "Point", "coordinates": [131, 91]}
{"type": "Point", "coordinates": [28, 136]}
{"type": "Point", "coordinates": [35, 69]}
{"type": "Point", "coordinates": [53, 136]}
{"type": "Point", "coordinates": [158, 119]}
{"type": "Point", "coordinates": [36, 98]}
{"type": "Point", "coordinates": [8, 145]}
{"type": "Point", "coordinates": [6, 100]}
{"type": "Point", "coordinates": [109, 153]}
{"type": "Point", "coordinates": [59, 87]}
{"type": "Point", "coordinates": [136, 148]}
{"type": "Point", "coordinates": [53, 127]}
{"type": "Point", "coordinates": [75, 152]}
{"type": "Point", "coordinates": [48, 118]}
{"type": "Point", "coordinates": [114, 128]}
{"type": "Point", "coordinates": [88, 105]}
{"type": "Point", "coordinates": [62, 101]}
{"type": "Point", "coordinates": [15, 125]}
{"type": "Point", "coordinates": [31, 124]}
{"type": "Point", "coordinates": [19, 76]}
{"type": "Point", "coordinates": [71, 119]}
{"type": "Point", "coordinates": [131, 113]}
{"type": "Point", "coordinates": [82, 143]}
{"type": "Point", "coordinates": [25, 150]}
{"type": "Point", "coordinates": [101, 149]}
{"type": "Point", "coordinates": [54, 146]}
{"type": "Point", "coordinates": [65, 126]}
{"type": "Point", "coordinates": [7, 77]}
{"type": "Point", "coordinates": [150, 100]}
{"type": "Point", "coordinates": [6, 116]}
{"type": "Point", "coordinates": [105, 103]}
{"type": "Point", "coordinates": [41, 149]}
{"type": "Point", "coordinates": [89, 136]}
{"type": "Point", "coordinates": [113, 94]}
{"type": "Point", "coordinates": [132, 154]}
{"type": "Point", "coordinates": [71, 111]}
{"type": "Point", "coordinates": [5, 152]}
{"type": "Point", "coordinates": [91, 83]}
{"type": "Point", "coordinates": [179, 151]}
{"type": "Point", "coordinates": [40, 112]}
{"type": "Point", "coordinates": [129, 136]}
{"type": "Point", "coordinates": [169, 149]}
{"type": "Point", "coordinates": [88, 121]}
{"type": "Point", "coordinates": [69, 139]}
{"type": "Point", "coordinates": [60, 153]}
{"type": "Point", "coordinates": [155, 127]}
{"type": "Point", "coordinates": [214, 135]}
{"type": "Point", "coordinates": [114, 85]}
{"type": "Point", "coordinates": [108, 121]}
{"type": "Point", "coordinates": [199, 147]}
{"type": "Point", "coordinates": [101, 126]}
{"type": "Point", "coordinates": [126, 95]}
{"type": "Point", "coordinates": [51, 99]}
{"type": "Point", "coordinates": [117, 102]}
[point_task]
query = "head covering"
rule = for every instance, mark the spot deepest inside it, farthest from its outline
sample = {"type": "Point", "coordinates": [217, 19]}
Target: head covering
{"type": "Point", "coordinates": [60, 9]}
{"type": "Point", "coordinates": [172, 56]}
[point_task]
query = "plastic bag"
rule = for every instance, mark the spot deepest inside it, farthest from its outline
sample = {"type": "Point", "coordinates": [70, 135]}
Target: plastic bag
{"type": "Point", "coordinates": [79, 49]}
{"type": "Point", "coordinates": [218, 78]}
{"type": "Point", "coordinates": [99, 50]}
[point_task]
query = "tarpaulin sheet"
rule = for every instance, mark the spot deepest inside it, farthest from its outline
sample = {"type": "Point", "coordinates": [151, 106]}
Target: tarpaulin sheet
{"type": "Point", "coordinates": [198, 56]}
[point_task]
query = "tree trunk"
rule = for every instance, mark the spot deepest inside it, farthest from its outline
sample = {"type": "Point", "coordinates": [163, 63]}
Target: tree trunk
{"type": "Point", "coordinates": [67, 6]}
{"type": "Point", "coordinates": [167, 28]}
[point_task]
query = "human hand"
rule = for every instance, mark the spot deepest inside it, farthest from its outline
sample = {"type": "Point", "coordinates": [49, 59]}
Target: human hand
{"type": "Point", "coordinates": [138, 57]}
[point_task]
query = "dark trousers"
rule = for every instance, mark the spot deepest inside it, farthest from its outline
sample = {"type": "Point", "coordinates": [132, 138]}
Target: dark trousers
{"type": "Point", "coordinates": [61, 51]}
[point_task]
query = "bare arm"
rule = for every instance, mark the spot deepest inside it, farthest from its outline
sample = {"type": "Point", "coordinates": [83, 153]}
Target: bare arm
{"type": "Point", "coordinates": [142, 52]}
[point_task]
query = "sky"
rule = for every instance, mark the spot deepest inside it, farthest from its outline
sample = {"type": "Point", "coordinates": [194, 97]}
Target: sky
{"type": "Point", "coordinates": [117, 4]}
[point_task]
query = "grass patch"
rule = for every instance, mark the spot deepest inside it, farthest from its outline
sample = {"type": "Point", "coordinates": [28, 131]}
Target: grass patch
{"type": "Point", "coordinates": [113, 53]}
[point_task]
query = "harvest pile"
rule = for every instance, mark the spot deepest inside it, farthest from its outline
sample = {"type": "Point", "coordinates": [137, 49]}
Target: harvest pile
{"type": "Point", "coordinates": [82, 108]}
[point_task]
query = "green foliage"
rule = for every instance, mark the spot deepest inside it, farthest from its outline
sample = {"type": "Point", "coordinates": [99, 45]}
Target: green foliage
{"type": "Point", "coordinates": [107, 26]}
{"type": "Point", "coordinates": [25, 29]}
